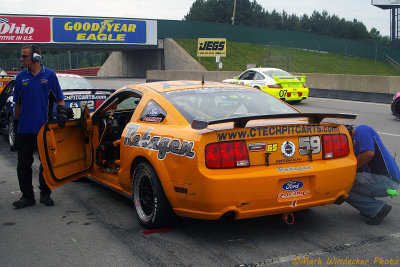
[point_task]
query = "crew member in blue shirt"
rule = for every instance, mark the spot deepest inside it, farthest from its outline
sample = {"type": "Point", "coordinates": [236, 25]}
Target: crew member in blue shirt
{"type": "Point", "coordinates": [377, 175]}
{"type": "Point", "coordinates": [33, 87]}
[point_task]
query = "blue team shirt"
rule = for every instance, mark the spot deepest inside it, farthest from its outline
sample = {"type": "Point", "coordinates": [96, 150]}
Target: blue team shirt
{"type": "Point", "coordinates": [32, 92]}
{"type": "Point", "coordinates": [366, 138]}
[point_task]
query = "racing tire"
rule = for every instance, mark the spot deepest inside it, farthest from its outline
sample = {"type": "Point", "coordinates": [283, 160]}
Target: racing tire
{"type": "Point", "coordinates": [12, 134]}
{"type": "Point", "coordinates": [152, 207]}
{"type": "Point", "coordinates": [396, 108]}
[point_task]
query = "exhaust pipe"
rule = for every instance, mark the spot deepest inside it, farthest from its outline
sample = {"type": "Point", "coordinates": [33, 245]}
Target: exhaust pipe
{"type": "Point", "coordinates": [228, 216]}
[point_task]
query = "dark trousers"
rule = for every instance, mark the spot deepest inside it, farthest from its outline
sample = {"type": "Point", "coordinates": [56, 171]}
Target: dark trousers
{"type": "Point", "coordinates": [26, 147]}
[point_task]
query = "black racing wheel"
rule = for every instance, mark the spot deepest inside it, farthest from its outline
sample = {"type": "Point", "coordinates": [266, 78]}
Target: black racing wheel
{"type": "Point", "coordinates": [396, 108]}
{"type": "Point", "coordinates": [152, 207]}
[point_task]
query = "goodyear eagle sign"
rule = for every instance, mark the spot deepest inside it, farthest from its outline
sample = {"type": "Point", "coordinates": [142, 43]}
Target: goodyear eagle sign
{"type": "Point", "coordinates": [104, 31]}
{"type": "Point", "coordinates": [211, 47]}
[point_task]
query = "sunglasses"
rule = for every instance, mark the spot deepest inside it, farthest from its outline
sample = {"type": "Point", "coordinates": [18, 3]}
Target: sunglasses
{"type": "Point", "coordinates": [25, 56]}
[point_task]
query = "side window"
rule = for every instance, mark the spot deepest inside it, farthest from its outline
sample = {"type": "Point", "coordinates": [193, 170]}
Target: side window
{"type": "Point", "coordinates": [153, 112]}
{"type": "Point", "coordinates": [128, 103]}
{"type": "Point", "coordinates": [245, 76]}
{"type": "Point", "coordinates": [258, 76]}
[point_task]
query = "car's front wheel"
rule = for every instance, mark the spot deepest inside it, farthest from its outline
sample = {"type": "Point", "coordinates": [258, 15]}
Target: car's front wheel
{"type": "Point", "coordinates": [396, 108]}
{"type": "Point", "coordinates": [152, 207]}
{"type": "Point", "coordinates": [12, 134]}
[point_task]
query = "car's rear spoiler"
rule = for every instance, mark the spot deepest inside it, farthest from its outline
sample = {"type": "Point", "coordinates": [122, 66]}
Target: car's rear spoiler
{"type": "Point", "coordinates": [240, 122]}
{"type": "Point", "coordinates": [290, 79]}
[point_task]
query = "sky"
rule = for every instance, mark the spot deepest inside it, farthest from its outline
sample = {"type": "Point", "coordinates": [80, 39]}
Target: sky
{"type": "Point", "coordinates": [362, 10]}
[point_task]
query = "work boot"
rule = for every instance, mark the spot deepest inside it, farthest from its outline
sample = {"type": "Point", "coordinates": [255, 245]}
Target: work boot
{"type": "Point", "coordinates": [381, 214]}
{"type": "Point", "coordinates": [24, 202]}
{"type": "Point", "coordinates": [46, 200]}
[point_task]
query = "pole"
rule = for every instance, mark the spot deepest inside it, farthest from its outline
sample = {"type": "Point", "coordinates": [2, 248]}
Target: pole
{"type": "Point", "coordinates": [234, 11]}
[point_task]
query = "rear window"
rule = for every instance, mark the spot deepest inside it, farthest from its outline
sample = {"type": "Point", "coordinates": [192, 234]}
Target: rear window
{"type": "Point", "coordinates": [273, 73]}
{"type": "Point", "coordinates": [223, 103]}
{"type": "Point", "coordinates": [75, 83]}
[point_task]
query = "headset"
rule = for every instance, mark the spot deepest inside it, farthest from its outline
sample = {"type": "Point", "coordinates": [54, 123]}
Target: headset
{"type": "Point", "coordinates": [35, 56]}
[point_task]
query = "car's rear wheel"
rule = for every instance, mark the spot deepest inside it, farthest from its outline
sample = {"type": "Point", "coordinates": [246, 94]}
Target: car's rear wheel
{"type": "Point", "coordinates": [152, 207]}
{"type": "Point", "coordinates": [12, 134]}
{"type": "Point", "coordinates": [396, 108]}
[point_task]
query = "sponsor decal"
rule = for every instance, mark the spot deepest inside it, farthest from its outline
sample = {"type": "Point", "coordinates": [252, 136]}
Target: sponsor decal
{"type": "Point", "coordinates": [44, 81]}
{"type": "Point", "coordinates": [25, 83]}
{"type": "Point", "coordinates": [272, 147]}
{"type": "Point", "coordinates": [73, 105]}
{"type": "Point", "coordinates": [286, 160]}
{"type": "Point", "coordinates": [256, 147]}
{"type": "Point", "coordinates": [293, 169]}
{"type": "Point", "coordinates": [87, 30]}
{"type": "Point", "coordinates": [85, 97]}
{"type": "Point", "coordinates": [294, 204]}
{"type": "Point", "coordinates": [277, 131]}
{"type": "Point", "coordinates": [292, 185]}
{"type": "Point", "coordinates": [20, 29]}
{"type": "Point", "coordinates": [288, 149]}
{"type": "Point", "coordinates": [151, 119]}
{"type": "Point", "coordinates": [294, 194]}
{"type": "Point", "coordinates": [163, 145]}
{"type": "Point", "coordinates": [211, 47]}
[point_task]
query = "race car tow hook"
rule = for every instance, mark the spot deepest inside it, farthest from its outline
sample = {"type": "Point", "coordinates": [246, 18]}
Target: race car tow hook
{"type": "Point", "coordinates": [288, 218]}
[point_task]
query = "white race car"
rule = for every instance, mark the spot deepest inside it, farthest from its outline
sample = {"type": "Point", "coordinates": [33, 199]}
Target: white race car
{"type": "Point", "coordinates": [276, 82]}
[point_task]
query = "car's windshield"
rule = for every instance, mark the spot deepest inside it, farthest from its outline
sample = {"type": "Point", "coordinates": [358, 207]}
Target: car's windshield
{"type": "Point", "coordinates": [222, 103]}
{"type": "Point", "coordinates": [75, 83]}
{"type": "Point", "coordinates": [276, 72]}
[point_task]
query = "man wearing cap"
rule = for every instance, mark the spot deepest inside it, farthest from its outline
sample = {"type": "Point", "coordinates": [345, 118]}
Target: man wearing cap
{"type": "Point", "coordinates": [377, 175]}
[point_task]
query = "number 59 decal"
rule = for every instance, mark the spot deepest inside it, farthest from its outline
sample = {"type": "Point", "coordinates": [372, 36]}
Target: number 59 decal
{"type": "Point", "coordinates": [309, 144]}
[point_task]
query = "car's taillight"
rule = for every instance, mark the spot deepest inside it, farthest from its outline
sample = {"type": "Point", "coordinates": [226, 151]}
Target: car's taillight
{"type": "Point", "coordinates": [288, 94]}
{"type": "Point", "coordinates": [275, 86]}
{"type": "Point", "coordinates": [335, 146]}
{"type": "Point", "coordinates": [227, 155]}
{"type": "Point", "coordinates": [99, 102]}
{"type": "Point", "coordinates": [300, 93]}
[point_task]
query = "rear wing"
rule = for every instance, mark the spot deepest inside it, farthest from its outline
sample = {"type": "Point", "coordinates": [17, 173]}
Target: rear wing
{"type": "Point", "coordinates": [290, 79]}
{"type": "Point", "coordinates": [241, 122]}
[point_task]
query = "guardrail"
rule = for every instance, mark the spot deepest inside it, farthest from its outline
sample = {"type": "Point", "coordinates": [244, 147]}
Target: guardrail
{"type": "Point", "coordinates": [393, 63]}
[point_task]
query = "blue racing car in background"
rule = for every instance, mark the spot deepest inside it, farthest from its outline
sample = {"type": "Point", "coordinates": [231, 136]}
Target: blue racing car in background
{"type": "Point", "coordinates": [78, 91]}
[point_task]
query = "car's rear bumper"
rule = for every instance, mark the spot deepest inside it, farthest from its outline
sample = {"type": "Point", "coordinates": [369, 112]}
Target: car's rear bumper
{"type": "Point", "coordinates": [287, 94]}
{"type": "Point", "coordinates": [256, 191]}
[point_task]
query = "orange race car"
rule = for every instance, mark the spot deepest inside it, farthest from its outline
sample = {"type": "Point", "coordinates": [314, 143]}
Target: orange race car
{"type": "Point", "coordinates": [203, 150]}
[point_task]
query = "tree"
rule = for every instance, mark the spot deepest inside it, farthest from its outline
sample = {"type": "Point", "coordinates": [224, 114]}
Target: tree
{"type": "Point", "coordinates": [250, 13]}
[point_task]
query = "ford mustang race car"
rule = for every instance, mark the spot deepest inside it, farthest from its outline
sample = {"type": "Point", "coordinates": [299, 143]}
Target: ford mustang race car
{"type": "Point", "coordinates": [78, 91]}
{"type": "Point", "coordinates": [396, 105]}
{"type": "Point", "coordinates": [276, 82]}
{"type": "Point", "coordinates": [203, 150]}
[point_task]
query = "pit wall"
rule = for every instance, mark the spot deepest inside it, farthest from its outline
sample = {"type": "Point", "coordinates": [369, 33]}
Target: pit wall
{"type": "Point", "coordinates": [370, 88]}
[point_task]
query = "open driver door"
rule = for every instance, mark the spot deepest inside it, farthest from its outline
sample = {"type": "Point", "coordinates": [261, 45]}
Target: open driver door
{"type": "Point", "coordinates": [66, 152]}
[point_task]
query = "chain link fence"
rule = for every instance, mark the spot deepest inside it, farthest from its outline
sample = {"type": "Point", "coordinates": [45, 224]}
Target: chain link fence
{"type": "Point", "coordinates": [62, 61]}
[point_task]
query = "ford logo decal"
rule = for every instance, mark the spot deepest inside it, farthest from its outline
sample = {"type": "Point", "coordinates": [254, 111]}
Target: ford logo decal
{"type": "Point", "coordinates": [292, 185]}
{"type": "Point", "coordinates": [154, 112]}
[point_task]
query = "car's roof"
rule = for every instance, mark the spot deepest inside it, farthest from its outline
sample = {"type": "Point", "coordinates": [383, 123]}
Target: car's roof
{"type": "Point", "coordinates": [68, 75]}
{"type": "Point", "coordinates": [166, 86]}
{"type": "Point", "coordinates": [263, 69]}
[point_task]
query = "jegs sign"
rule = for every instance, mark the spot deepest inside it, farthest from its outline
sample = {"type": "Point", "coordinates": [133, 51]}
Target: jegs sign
{"type": "Point", "coordinates": [211, 47]}
{"type": "Point", "coordinates": [23, 29]}
{"type": "Point", "coordinates": [88, 30]}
